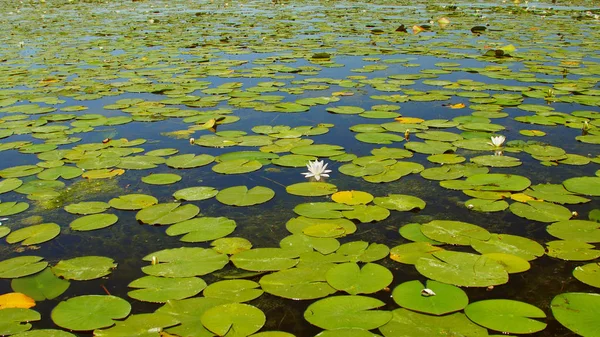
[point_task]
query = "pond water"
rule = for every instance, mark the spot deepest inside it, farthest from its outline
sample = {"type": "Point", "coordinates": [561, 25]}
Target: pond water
{"type": "Point", "coordinates": [111, 112]}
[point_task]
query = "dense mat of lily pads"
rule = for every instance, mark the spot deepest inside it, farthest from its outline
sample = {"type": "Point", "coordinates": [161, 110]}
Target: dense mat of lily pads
{"type": "Point", "coordinates": [296, 168]}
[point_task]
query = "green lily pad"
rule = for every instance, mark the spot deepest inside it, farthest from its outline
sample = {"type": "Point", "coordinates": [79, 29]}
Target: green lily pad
{"type": "Point", "coordinates": [132, 202]}
{"type": "Point", "coordinates": [186, 161]}
{"type": "Point", "coordinates": [20, 171]}
{"type": "Point", "coordinates": [578, 312]}
{"type": "Point", "coordinates": [512, 263]}
{"type": "Point", "coordinates": [297, 283]}
{"type": "Point", "coordinates": [367, 213]}
{"type": "Point", "coordinates": [64, 172]}
{"type": "Point", "coordinates": [509, 244]}
{"type": "Point", "coordinates": [351, 311]}
{"type": "Point", "coordinates": [84, 268]}
{"type": "Point", "coordinates": [412, 232]}
{"type": "Point", "coordinates": [408, 323]}
{"type": "Point", "coordinates": [498, 182]}
{"type": "Point", "coordinates": [507, 316]}
{"type": "Point", "coordinates": [195, 193]}
{"type": "Point", "coordinates": [400, 202]}
{"type": "Point", "coordinates": [94, 221]}
{"type": "Point", "coordinates": [322, 210]}
{"type": "Point", "coordinates": [89, 312]}
{"type": "Point", "coordinates": [35, 234]}
{"type": "Point", "coordinates": [496, 161]}
{"type": "Point", "coordinates": [541, 211]}
{"type": "Point", "coordinates": [7, 185]}
{"type": "Point", "coordinates": [351, 278]}
{"type": "Point", "coordinates": [21, 266]}
{"type": "Point", "coordinates": [184, 262]}
{"type": "Point", "coordinates": [446, 158]}
{"type": "Point", "coordinates": [41, 286]}
{"type": "Point", "coordinates": [88, 207]}
{"type": "Point", "coordinates": [352, 198]}
{"type": "Point", "coordinates": [265, 259]}
{"type": "Point", "coordinates": [15, 320]}
{"type": "Point", "coordinates": [318, 150]}
{"type": "Point", "coordinates": [231, 245]}
{"type": "Point", "coordinates": [462, 269]}
{"type": "Point", "coordinates": [45, 333]}
{"type": "Point", "coordinates": [454, 232]}
{"type": "Point", "coordinates": [242, 319]}
{"type": "Point", "coordinates": [576, 230]}
{"type": "Point", "coordinates": [572, 250]}
{"type": "Point", "coordinates": [167, 213]}
{"type": "Point", "coordinates": [202, 229]}
{"type": "Point", "coordinates": [410, 253]}
{"type": "Point", "coordinates": [187, 312]}
{"type": "Point", "coordinates": [446, 299]}
{"type": "Point", "coordinates": [588, 274]}
{"type": "Point", "coordinates": [311, 189]}
{"type": "Point", "coordinates": [233, 290]}
{"type": "Point", "coordinates": [139, 325]}
{"type": "Point", "coordinates": [160, 289]}
{"type": "Point", "coordinates": [161, 178]}
{"type": "Point", "coordinates": [583, 185]}
{"type": "Point", "coordinates": [237, 166]}
{"type": "Point", "coordinates": [485, 205]}
{"type": "Point", "coordinates": [12, 208]}
{"type": "Point", "coordinates": [346, 110]}
{"type": "Point", "coordinates": [242, 196]}
{"type": "Point", "coordinates": [429, 147]}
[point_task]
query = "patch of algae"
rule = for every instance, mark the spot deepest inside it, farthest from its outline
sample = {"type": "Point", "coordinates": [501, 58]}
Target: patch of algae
{"type": "Point", "coordinates": [82, 190]}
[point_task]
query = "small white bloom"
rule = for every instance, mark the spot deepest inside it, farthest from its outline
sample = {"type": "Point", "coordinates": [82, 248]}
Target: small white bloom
{"type": "Point", "coordinates": [316, 169]}
{"type": "Point", "coordinates": [497, 141]}
{"type": "Point", "coordinates": [427, 292]}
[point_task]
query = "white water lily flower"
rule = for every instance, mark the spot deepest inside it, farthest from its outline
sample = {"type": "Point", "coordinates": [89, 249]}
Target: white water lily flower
{"type": "Point", "coordinates": [427, 292]}
{"type": "Point", "coordinates": [497, 141]}
{"type": "Point", "coordinates": [316, 169]}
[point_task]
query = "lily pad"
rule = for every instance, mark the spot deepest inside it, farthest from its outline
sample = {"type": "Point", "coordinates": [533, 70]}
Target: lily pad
{"type": "Point", "coordinates": [265, 259]}
{"type": "Point", "coordinates": [167, 213]}
{"type": "Point", "coordinates": [159, 289]}
{"type": "Point", "coordinates": [311, 189]}
{"type": "Point", "coordinates": [89, 312]}
{"type": "Point", "coordinates": [84, 268]}
{"type": "Point", "coordinates": [351, 278]}
{"type": "Point", "coordinates": [445, 299]}
{"type": "Point", "coordinates": [202, 229]}
{"type": "Point", "coordinates": [507, 316]}
{"type": "Point", "coordinates": [541, 211]}
{"type": "Point", "coordinates": [186, 161]}
{"type": "Point", "coordinates": [242, 319]}
{"type": "Point", "coordinates": [408, 323]}
{"type": "Point", "coordinates": [35, 234]}
{"type": "Point", "coordinates": [234, 290]}
{"type": "Point", "coordinates": [400, 202]}
{"type": "Point", "coordinates": [242, 196]}
{"type": "Point", "coordinates": [454, 232]}
{"type": "Point", "coordinates": [462, 269]}
{"type": "Point", "coordinates": [88, 207]}
{"type": "Point", "coordinates": [195, 193]}
{"type": "Point", "coordinates": [576, 230]}
{"type": "Point", "coordinates": [588, 274]}
{"type": "Point", "coordinates": [132, 201]}
{"type": "Point", "coordinates": [184, 262]}
{"type": "Point", "coordinates": [302, 283]}
{"type": "Point", "coordinates": [510, 244]}
{"type": "Point", "coordinates": [94, 221]}
{"type": "Point", "coordinates": [161, 179]}
{"type": "Point", "coordinates": [41, 286]}
{"type": "Point", "coordinates": [572, 250]}
{"type": "Point", "coordinates": [343, 312]}
{"type": "Point", "coordinates": [21, 266]}
{"type": "Point", "coordinates": [15, 320]}
{"type": "Point", "coordinates": [583, 185]}
{"type": "Point", "coordinates": [577, 312]}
